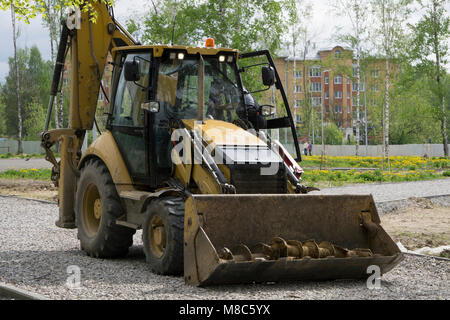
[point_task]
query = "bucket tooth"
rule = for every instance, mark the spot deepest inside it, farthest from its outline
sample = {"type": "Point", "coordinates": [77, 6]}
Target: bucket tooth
{"type": "Point", "coordinates": [340, 252]}
{"type": "Point", "coordinates": [225, 254]}
{"type": "Point", "coordinates": [262, 251]}
{"type": "Point", "coordinates": [326, 249]}
{"type": "Point", "coordinates": [242, 253]}
{"type": "Point", "coordinates": [311, 249]}
{"type": "Point", "coordinates": [279, 248]}
{"type": "Point", "coordinates": [360, 252]}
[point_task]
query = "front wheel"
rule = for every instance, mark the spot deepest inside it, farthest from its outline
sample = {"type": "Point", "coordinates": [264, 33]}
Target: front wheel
{"type": "Point", "coordinates": [163, 234]}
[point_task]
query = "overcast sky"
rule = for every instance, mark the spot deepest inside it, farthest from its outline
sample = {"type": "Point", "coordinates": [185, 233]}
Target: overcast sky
{"type": "Point", "coordinates": [323, 25]}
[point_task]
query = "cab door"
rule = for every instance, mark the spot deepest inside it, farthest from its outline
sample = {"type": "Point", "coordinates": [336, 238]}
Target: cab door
{"type": "Point", "coordinates": [128, 121]}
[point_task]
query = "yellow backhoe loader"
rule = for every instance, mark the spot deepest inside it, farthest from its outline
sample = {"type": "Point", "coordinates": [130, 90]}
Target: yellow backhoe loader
{"type": "Point", "coordinates": [190, 157]}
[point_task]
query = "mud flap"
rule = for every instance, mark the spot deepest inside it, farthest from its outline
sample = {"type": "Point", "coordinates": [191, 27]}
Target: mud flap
{"type": "Point", "coordinates": [271, 238]}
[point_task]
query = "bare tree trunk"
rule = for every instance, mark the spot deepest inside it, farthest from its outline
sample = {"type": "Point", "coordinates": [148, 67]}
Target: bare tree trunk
{"type": "Point", "coordinates": [358, 75]}
{"type": "Point", "coordinates": [19, 100]}
{"type": "Point", "coordinates": [386, 111]}
{"type": "Point", "coordinates": [438, 80]}
{"type": "Point", "coordinates": [358, 95]}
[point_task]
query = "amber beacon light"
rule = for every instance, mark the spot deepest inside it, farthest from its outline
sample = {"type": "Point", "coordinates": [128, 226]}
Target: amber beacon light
{"type": "Point", "coordinates": [209, 43]}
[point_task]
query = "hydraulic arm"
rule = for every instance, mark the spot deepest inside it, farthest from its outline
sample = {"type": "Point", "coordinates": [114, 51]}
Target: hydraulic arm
{"type": "Point", "coordinates": [89, 44]}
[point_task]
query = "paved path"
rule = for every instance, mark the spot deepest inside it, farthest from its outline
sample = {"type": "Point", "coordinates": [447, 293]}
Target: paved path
{"type": "Point", "coordinates": [6, 164]}
{"type": "Point", "coordinates": [394, 191]}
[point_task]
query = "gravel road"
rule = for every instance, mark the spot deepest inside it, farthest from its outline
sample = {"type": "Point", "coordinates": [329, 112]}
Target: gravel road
{"type": "Point", "coordinates": [35, 255]}
{"type": "Point", "coordinates": [6, 164]}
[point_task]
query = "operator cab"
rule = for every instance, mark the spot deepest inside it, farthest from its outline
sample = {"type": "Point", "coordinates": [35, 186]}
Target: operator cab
{"type": "Point", "coordinates": [156, 87]}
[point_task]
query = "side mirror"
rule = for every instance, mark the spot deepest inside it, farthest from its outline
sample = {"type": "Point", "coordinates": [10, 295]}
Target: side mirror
{"type": "Point", "coordinates": [268, 76]}
{"type": "Point", "coordinates": [151, 106]}
{"type": "Point", "coordinates": [132, 70]}
{"type": "Point", "coordinates": [267, 110]}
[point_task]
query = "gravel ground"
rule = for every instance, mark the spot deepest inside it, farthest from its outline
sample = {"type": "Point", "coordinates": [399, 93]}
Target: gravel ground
{"type": "Point", "coordinates": [394, 191]}
{"type": "Point", "coordinates": [35, 255]}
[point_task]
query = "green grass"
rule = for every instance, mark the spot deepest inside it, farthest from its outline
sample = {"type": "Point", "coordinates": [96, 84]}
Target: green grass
{"type": "Point", "coordinates": [397, 163]}
{"type": "Point", "coordinates": [34, 174]}
{"type": "Point", "coordinates": [354, 176]}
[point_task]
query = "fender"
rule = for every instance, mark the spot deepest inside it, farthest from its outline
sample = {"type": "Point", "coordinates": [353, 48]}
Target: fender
{"type": "Point", "coordinates": [105, 148]}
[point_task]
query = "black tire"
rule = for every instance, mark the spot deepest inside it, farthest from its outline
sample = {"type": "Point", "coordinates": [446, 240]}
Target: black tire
{"type": "Point", "coordinates": [169, 211]}
{"type": "Point", "coordinates": [100, 237]}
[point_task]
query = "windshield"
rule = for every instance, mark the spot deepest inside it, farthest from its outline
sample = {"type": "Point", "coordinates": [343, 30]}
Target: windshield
{"type": "Point", "coordinates": [178, 89]}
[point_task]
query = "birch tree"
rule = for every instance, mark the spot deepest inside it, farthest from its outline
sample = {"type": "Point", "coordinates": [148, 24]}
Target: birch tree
{"type": "Point", "coordinates": [429, 47]}
{"type": "Point", "coordinates": [18, 95]}
{"type": "Point", "coordinates": [357, 13]}
{"type": "Point", "coordinates": [390, 16]}
{"type": "Point", "coordinates": [299, 14]}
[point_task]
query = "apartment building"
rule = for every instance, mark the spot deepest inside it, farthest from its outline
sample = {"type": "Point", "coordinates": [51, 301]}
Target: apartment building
{"type": "Point", "coordinates": [327, 80]}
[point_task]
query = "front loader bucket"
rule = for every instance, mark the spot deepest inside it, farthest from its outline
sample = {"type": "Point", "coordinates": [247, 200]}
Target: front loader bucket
{"type": "Point", "coordinates": [269, 238]}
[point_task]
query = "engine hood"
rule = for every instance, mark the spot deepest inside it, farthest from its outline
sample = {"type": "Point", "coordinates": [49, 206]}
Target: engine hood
{"type": "Point", "coordinates": [221, 133]}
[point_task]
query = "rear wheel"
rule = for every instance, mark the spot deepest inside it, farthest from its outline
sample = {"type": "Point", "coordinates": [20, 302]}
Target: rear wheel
{"type": "Point", "coordinates": [97, 208]}
{"type": "Point", "coordinates": [163, 233]}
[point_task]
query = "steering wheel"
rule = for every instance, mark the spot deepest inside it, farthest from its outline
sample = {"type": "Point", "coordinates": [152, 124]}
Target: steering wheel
{"type": "Point", "coordinates": [243, 123]}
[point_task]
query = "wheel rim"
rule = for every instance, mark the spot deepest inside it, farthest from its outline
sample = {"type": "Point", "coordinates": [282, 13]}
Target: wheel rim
{"type": "Point", "coordinates": [92, 210]}
{"type": "Point", "coordinates": [157, 236]}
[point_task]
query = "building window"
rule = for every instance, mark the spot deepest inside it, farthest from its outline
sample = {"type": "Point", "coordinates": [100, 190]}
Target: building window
{"type": "Point", "coordinates": [327, 95]}
{"type": "Point", "coordinates": [338, 80]}
{"type": "Point", "coordinates": [337, 54]}
{"type": "Point", "coordinates": [355, 86]}
{"type": "Point", "coordinates": [348, 94]}
{"type": "Point", "coordinates": [349, 123]}
{"type": "Point", "coordinates": [316, 101]}
{"type": "Point", "coordinates": [298, 74]}
{"type": "Point", "coordinates": [100, 96]}
{"type": "Point", "coordinates": [327, 109]}
{"type": "Point", "coordinates": [326, 80]}
{"type": "Point", "coordinates": [315, 72]}
{"type": "Point", "coordinates": [374, 73]}
{"type": "Point", "coordinates": [374, 88]}
{"type": "Point", "coordinates": [315, 87]}
{"type": "Point", "coordinates": [298, 103]}
{"type": "Point", "coordinates": [349, 109]}
{"type": "Point", "coordinates": [348, 80]}
{"type": "Point", "coordinates": [337, 109]}
{"type": "Point", "coordinates": [298, 89]}
{"type": "Point", "coordinates": [298, 118]}
{"type": "Point", "coordinates": [338, 94]}
{"type": "Point", "coordinates": [355, 72]}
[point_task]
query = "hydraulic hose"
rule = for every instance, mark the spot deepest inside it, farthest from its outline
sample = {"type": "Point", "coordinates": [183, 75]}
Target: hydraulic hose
{"type": "Point", "coordinates": [57, 72]}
